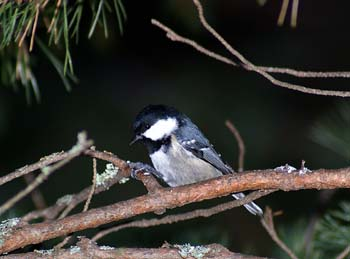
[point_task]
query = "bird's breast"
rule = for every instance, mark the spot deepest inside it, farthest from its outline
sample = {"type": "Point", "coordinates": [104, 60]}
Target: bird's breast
{"type": "Point", "coordinates": [177, 166]}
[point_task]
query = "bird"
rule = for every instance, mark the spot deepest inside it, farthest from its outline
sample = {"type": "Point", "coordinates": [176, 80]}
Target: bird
{"type": "Point", "coordinates": [179, 151]}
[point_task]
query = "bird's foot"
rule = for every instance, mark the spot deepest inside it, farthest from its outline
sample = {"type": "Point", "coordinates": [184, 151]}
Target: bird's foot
{"type": "Point", "coordinates": [139, 167]}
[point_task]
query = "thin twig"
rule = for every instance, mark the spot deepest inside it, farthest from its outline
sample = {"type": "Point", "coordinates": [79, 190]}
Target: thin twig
{"type": "Point", "coordinates": [267, 222]}
{"type": "Point", "coordinates": [37, 197]}
{"type": "Point", "coordinates": [93, 186]}
{"type": "Point", "coordinates": [344, 253]}
{"type": "Point", "coordinates": [80, 147]}
{"type": "Point", "coordinates": [240, 143]}
{"type": "Point", "coordinates": [43, 162]}
{"type": "Point", "coordinates": [246, 64]}
{"type": "Point", "coordinates": [283, 13]}
{"type": "Point", "coordinates": [145, 223]}
{"type": "Point", "coordinates": [273, 80]}
{"type": "Point", "coordinates": [67, 210]}
{"type": "Point", "coordinates": [304, 74]}
{"type": "Point", "coordinates": [294, 16]}
{"type": "Point", "coordinates": [278, 70]}
{"type": "Point", "coordinates": [71, 201]}
{"type": "Point", "coordinates": [94, 154]}
{"type": "Point", "coordinates": [87, 202]}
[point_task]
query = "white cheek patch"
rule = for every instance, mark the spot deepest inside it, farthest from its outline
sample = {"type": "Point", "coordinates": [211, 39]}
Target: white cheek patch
{"type": "Point", "coordinates": [161, 129]}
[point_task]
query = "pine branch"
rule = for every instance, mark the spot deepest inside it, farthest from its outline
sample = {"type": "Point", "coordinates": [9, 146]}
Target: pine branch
{"type": "Point", "coordinates": [58, 21]}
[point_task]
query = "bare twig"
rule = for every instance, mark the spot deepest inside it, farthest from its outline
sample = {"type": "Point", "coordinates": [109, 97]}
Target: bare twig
{"type": "Point", "coordinates": [304, 74]}
{"type": "Point", "coordinates": [165, 198]}
{"type": "Point", "coordinates": [294, 16]}
{"type": "Point", "coordinates": [36, 195]}
{"type": "Point", "coordinates": [68, 209]}
{"type": "Point", "coordinates": [283, 13]}
{"type": "Point", "coordinates": [79, 148]}
{"type": "Point", "coordinates": [240, 143]}
{"type": "Point", "coordinates": [73, 200]}
{"type": "Point", "coordinates": [87, 249]}
{"type": "Point", "coordinates": [145, 223]}
{"type": "Point", "coordinates": [246, 63]}
{"type": "Point", "coordinates": [267, 222]}
{"type": "Point", "coordinates": [344, 253]}
{"type": "Point", "coordinates": [93, 186]}
{"type": "Point", "coordinates": [88, 200]}
{"type": "Point", "coordinates": [43, 162]}
{"type": "Point", "coordinates": [278, 70]}
{"type": "Point", "coordinates": [273, 80]}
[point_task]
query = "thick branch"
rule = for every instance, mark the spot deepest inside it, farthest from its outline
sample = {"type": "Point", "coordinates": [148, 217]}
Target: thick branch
{"type": "Point", "coordinates": [175, 197]}
{"type": "Point", "coordinates": [88, 249]}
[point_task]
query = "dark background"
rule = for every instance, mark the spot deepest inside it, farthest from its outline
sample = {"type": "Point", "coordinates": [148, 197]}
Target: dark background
{"type": "Point", "coordinates": [120, 75]}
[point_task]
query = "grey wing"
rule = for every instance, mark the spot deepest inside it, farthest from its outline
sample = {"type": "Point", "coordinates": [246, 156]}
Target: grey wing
{"type": "Point", "coordinates": [199, 146]}
{"type": "Point", "coordinates": [209, 154]}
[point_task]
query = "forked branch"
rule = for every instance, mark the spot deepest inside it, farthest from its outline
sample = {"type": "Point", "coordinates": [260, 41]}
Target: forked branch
{"type": "Point", "coordinates": [248, 65]}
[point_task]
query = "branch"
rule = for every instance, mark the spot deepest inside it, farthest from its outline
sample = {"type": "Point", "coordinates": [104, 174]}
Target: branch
{"type": "Point", "coordinates": [36, 195]}
{"type": "Point", "coordinates": [87, 249]}
{"type": "Point", "coordinates": [240, 143]}
{"type": "Point", "coordinates": [246, 64]}
{"type": "Point", "coordinates": [167, 198]}
{"type": "Point", "coordinates": [45, 161]}
{"type": "Point", "coordinates": [75, 199]}
{"type": "Point", "coordinates": [93, 186]}
{"type": "Point", "coordinates": [82, 144]}
{"type": "Point", "coordinates": [205, 213]}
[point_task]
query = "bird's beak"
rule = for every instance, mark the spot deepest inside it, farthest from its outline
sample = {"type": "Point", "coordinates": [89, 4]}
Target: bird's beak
{"type": "Point", "coordinates": [135, 139]}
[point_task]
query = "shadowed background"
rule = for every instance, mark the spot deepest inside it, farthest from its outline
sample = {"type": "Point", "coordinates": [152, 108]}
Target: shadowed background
{"type": "Point", "coordinates": [120, 75]}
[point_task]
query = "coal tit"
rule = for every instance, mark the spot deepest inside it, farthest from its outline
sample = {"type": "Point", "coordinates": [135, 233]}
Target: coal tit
{"type": "Point", "coordinates": [179, 151]}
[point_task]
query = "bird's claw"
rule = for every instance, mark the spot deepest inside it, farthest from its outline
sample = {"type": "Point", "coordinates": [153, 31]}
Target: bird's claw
{"type": "Point", "coordinates": [139, 167]}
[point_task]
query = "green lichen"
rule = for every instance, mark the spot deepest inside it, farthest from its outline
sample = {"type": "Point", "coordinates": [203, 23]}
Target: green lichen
{"type": "Point", "coordinates": [107, 248]}
{"type": "Point", "coordinates": [6, 227]}
{"type": "Point", "coordinates": [44, 252]}
{"type": "Point", "coordinates": [124, 180]}
{"type": "Point", "coordinates": [109, 173]}
{"type": "Point", "coordinates": [187, 250]}
{"type": "Point", "coordinates": [74, 250]}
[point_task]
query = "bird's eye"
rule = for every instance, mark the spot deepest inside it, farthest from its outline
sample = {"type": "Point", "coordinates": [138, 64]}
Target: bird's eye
{"type": "Point", "coordinates": [147, 126]}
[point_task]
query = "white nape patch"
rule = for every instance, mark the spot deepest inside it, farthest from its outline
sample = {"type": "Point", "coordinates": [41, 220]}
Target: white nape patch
{"type": "Point", "coordinates": [162, 128]}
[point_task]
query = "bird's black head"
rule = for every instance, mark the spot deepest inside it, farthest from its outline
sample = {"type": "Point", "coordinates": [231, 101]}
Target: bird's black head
{"type": "Point", "coordinates": [156, 122]}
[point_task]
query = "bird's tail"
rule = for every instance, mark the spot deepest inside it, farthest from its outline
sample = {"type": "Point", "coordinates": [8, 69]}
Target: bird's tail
{"type": "Point", "coordinates": [251, 206]}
